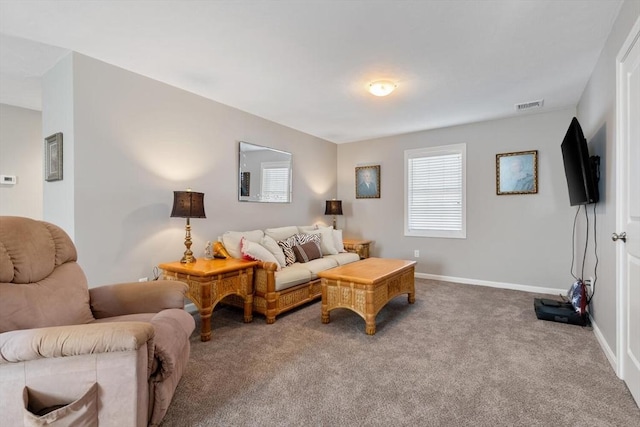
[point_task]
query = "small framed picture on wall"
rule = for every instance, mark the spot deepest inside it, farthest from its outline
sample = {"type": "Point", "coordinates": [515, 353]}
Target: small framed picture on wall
{"type": "Point", "coordinates": [53, 157]}
{"type": "Point", "coordinates": [517, 173]}
{"type": "Point", "coordinates": [368, 182]}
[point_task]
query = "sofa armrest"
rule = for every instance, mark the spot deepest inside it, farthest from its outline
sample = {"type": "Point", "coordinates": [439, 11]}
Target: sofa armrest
{"type": "Point", "coordinates": [269, 266]}
{"type": "Point", "coordinates": [264, 278]}
{"type": "Point", "coordinates": [60, 341]}
{"type": "Point", "coordinates": [136, 297]}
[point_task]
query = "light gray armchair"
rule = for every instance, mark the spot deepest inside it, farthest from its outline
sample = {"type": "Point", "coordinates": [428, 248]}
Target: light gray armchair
{"type": "Point", "coordinates": [111, 355]}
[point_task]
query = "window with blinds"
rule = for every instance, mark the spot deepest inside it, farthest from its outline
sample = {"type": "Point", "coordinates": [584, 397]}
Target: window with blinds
{"type": "Point", "coordinates": [275, 182]}
{"type": "Point", "coordinates": [435, 192]}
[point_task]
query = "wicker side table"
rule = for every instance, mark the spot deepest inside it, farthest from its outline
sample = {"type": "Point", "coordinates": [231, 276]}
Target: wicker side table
{"type": "Point", "coordinates": [360, 247]}
{"type": "Point", "coordinates": [210, 281]}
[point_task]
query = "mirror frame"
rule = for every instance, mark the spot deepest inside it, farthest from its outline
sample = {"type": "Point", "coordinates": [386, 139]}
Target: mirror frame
{"type": "Point", "coordinates": [250, 188]}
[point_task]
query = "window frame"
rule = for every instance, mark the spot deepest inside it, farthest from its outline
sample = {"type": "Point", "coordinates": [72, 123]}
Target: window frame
{"type": "Point", "coordinates": [434, 152]}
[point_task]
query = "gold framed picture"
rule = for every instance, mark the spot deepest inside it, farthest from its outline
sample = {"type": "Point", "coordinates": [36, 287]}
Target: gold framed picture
{"type": "Point", "coordinates": [368, 182]}
{"type": "Point", "coordinates": [517, 173]}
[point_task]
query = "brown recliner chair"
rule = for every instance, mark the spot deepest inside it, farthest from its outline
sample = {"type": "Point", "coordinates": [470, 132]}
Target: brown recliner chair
{"type": "Point", "coordinates": [70, 355]}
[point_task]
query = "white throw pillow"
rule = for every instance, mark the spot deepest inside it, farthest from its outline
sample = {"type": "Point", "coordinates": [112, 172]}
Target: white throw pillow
{"type": "Point", "coordinates": [273, 247]}
{"type": "Point", "coordinates": [326, 240]}
{"type": "Point", "coordinates": [231, 240]}
{"type": "Point", "coordinates": [337, 241]}
{"type": "Point", "coordinates": [257, 252]}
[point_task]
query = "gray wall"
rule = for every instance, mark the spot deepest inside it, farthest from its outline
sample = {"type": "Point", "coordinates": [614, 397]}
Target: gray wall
{"type": "Point", "coordinates": [597, 116]}
{"type": "Point", "coordinates": [57, 95]}
{"type": "Point", "coordinates": [518, 241]}
{"type": "Point", "coordinates": [21, 155]}
{"type": "Point", "coordinates": [136, 140]}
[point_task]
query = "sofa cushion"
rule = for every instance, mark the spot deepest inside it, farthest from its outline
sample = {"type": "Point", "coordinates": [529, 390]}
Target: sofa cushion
{"type": "Point", "coordinates": [273, 247]}
{"type": "Point", "coordinates": [281, 233]}
{"type": "Point", "coordinates": [231, 240]}
{"type": "Point", "coordinates": [318, 265]}
{"type": "Point", "coordinates": [256, 252]}
{"type": "Point", "coordinates": [307, 251]}
{"type": "Point", "coordinates": [291, 276]}
{"type": "Point", "coordinates": [344, 257]}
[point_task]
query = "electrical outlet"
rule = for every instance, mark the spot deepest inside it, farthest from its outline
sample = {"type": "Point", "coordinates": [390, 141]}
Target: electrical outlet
{"type": "Point", "coordinates": [143, 279]}
{"type": "Point", "coordinates": [416, 253]}
{"type": "Point", "coordinates": [588, 282]}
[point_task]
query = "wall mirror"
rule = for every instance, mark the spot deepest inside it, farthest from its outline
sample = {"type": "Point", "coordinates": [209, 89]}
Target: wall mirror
{"type": "Point", "coordinates": [264, 174]}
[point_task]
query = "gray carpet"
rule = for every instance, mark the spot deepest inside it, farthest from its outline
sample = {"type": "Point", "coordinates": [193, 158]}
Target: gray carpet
{"type": "Point", "coordinates": [460, 356]}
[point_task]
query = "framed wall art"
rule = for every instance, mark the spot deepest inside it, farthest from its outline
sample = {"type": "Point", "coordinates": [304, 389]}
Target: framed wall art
{"type": "Point", "coordinates": [368, 182]}
{"type": "Point", "coordinates": [53, 157]}
{"type": "Point", "coordinates": [517, 173]}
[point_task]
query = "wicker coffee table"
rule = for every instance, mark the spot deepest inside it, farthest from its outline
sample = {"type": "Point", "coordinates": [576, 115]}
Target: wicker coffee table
{"type": "Point", "coordinates": [366, 286]}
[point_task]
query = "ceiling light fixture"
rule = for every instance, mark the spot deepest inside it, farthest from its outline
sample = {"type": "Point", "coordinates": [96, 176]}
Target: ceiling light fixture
{"type": "Point", "coordinates": [382, 87]}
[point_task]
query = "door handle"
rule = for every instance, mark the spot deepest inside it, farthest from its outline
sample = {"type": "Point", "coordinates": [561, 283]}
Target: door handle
{"type": "Point", "coordinates": [622, 236]}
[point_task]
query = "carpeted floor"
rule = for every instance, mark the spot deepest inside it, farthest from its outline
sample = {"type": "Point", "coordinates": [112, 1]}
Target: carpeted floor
{"type": "Point", "coordinates": [461, 355]}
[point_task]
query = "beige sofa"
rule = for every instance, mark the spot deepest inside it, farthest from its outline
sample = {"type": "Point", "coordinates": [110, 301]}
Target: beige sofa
{"type": "Point", "coordinates": [70, 355]}
{"type": "Point", "coordinates": [281, 285]}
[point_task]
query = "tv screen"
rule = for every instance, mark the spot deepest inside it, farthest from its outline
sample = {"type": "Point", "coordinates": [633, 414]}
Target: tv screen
{"type": "Point", "coordinates": [579, 168]}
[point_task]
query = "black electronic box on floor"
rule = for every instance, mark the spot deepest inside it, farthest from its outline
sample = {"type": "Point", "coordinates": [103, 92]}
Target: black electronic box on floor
{"type": "Point", "coordinates": [558, 311]}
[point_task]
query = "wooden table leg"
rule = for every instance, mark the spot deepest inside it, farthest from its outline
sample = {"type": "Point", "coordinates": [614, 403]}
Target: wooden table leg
{"type": "Point", "coordinates": [370, 326]}
{"type": "Point", "coordinates": [205, 327]}
{"type": "Point", "coordinates": [248, 309]}
{"type": "Point", "coordinates": [325, 314]}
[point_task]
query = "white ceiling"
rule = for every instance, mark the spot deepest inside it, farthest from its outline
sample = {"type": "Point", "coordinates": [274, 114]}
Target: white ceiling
{"type": "Point", "coordinates": [306, 64]}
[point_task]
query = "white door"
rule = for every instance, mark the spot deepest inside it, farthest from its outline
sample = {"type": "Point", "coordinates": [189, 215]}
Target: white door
{"type": "Point", "coordinates": [628, 208]}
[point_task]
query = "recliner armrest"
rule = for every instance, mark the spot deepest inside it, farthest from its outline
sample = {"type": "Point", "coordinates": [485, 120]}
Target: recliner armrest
{"type": "Point", "coordinates": [136, 297]}
{"type": "Point", "coordinates": [74, 340]}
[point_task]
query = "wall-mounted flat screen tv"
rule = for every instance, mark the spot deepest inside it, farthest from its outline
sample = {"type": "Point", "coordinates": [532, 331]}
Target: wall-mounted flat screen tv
{"type": "Point", "coordinates": [580, 169]}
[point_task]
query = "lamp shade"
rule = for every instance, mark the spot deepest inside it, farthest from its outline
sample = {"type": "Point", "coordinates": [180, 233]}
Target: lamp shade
{"type": "Point", "coordinates": [333, 207]}
{"type": "Point", "coordinates": [188, 204]}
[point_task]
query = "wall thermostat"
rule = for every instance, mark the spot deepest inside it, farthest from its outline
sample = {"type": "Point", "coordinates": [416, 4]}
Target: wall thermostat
{"type": "Point", "coordinates": [8, 179]}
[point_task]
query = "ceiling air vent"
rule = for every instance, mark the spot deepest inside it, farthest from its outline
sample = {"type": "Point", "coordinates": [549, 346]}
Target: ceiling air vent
{"type": "Point", "coordinates": [529, 105]}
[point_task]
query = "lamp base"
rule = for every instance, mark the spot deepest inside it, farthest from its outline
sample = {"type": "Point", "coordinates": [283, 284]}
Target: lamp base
{"type": "Point", "coordinates": [188, 257]}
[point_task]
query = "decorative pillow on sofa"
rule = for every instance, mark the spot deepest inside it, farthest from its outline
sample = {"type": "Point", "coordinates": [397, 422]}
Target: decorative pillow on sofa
{"type": "Point", "coordinates": [326, 238]}
{"type": "Point", "coordinates": [287, 248]}
{"type": "Point", "coordinates": [272, 246]}
{"type": "Point", "coordinates": [337, 241]}
{"type": "Point", "coordinates": [297, 239]}
{"type": "Point", "coordinates": [307, 251]}
{"type": "Point", "coordinates": [231, 240]}
{"type": "Point", "coordinates": [256, 252]}
{"type": "Point", "coordinates": [308, 237]}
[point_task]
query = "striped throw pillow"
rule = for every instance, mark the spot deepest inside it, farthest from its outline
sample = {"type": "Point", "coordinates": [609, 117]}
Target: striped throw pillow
{"type": "Point", "coordinates": [287, 247]}
{"type": "Point", "coordinates": [307, 251]}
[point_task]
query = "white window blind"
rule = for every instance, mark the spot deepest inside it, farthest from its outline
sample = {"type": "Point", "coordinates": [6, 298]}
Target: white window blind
{"type": "Point", "coordinates": [435, 192]}
{"type": "Point", "coordinates": [274, 182]}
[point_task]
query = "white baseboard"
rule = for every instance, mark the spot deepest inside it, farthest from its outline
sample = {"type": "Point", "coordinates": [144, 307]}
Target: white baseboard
{"type": "Point", "coordinates": [501, 285]}
{"type": "Point", "coordinates": [191, 308]}
{"type": "Point", "coordinates": [609, 354]}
